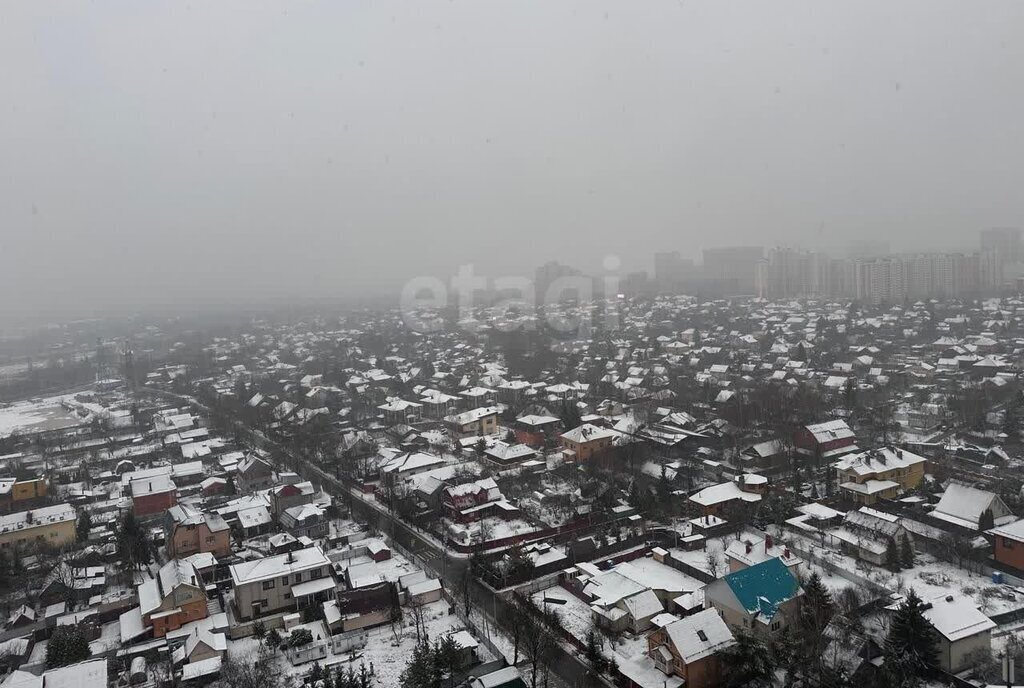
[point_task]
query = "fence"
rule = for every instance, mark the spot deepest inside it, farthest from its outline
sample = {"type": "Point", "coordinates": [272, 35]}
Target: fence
{"type": "Point", "coordinates": [691, 571]}
{"type": "Point", "coordinates": [830, 567]}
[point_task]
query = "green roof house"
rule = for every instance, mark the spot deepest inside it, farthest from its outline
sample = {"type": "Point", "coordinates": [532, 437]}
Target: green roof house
{"type": "Point", "coordinates": [763, 598]}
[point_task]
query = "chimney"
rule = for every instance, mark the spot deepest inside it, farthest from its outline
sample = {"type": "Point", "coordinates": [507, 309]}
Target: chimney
{"type": "Point", "coordinates": [785, 553]}
{"type": "Point", "coordinates": [768, 542]}
{"type": "Point", "coordinates": [749, 546]}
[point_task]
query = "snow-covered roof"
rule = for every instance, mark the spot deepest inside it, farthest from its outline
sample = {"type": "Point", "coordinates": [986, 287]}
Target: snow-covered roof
{"type": "Point", "coordinates": [878, 460]}
{"type": "Point", "coordinates": [723, 492]}
{"type": "Point", "coordinates": [695, 637]}
{"type": "Point", "coordinates": [963, 505]}
{"type": "Point", "coordinates": [588, 433]}
{"type": "Point", "coordinates": [956, 617]}
{"type": "Point", "coordinates": [271, 567]}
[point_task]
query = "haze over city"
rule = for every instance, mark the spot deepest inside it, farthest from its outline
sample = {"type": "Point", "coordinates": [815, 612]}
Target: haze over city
{"type": "Point", "coordinates": [185, 154]}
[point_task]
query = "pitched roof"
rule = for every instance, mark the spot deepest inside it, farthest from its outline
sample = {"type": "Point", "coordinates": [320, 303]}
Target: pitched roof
{"type": "Point", "coordinates": [763, 587]}
{"type": "Point", "coordinates": [695, 637]}
{"type": "Point", "coordinates": [963, 505]}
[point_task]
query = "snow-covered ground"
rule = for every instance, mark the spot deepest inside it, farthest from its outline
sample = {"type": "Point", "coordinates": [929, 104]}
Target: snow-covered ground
{"type": "Point", "coordinates": [384, 652]}
{"type": "Point", "coordinates": [45, 414]}
{"type": "Point", "coordinates": [493, 529]}
{"type": "Point", "coordinates": [573, 615]}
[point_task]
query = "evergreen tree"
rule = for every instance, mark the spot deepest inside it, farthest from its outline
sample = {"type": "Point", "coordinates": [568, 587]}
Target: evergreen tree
{"type": "Point", "coordinates": [986, 521]}
{"type": "Point", "coordinates": [818, 606]}
{"type": "Point", "coordinates": [447, 658]}
{"type": "Point", "coordinates": [273, 640]}
{"type": "Point", "coordinates": [911, 649]}
{"type": "Point", "coordinates": [133, 545]}
{"type": "Point", "coordinates": [67, 645]}
{"type": "Point", "coordinates": [83, 526]}
{"type": "Point", "coordinates": [748, 663]}
{"type": "Point", "coordinates": [907, 553]}
{"type": "Point", "coordinates": [421, 671]}
{"type": "Point", "coordinates": [592, 653]}
{"type": "Point", "coordinates": [570, 415]}
{"type": "Point", "coordinates": [892, 556]}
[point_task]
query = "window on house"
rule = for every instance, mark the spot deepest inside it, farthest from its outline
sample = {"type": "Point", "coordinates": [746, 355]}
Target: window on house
{"type": "Point", "coordinates": [315, 573]}
{"type": "Point", "coordinates": [298, 577]}
{"type": "Point", "coordinates": [268, 584]}
{"type": "Point", "coordinates": [1007, 543]}
{"type": "Point", "coordinates": [284, 580]}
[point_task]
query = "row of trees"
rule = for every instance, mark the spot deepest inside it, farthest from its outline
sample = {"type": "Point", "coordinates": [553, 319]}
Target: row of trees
{"type": "Point", "coordinates": [806, 654]}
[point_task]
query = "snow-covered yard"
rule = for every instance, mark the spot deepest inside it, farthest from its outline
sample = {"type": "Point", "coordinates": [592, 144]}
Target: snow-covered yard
{"type": "Point", "coordinates": [573, 614]}
{"type": "Point", "coordinates": [488, 529]}
{"type": "Point", "coordinates": [44, 414]}
{"type": "Point", "coordinates": [384, 653]}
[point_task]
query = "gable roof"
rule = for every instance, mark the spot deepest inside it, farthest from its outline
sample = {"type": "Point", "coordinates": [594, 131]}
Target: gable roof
{"type": "Point", "coordinates": [963, 505]}
{"type": "Point", "coordinates": [695, 637]}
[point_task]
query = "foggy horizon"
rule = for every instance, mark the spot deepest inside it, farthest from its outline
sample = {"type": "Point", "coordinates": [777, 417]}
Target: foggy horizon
{"type": "Point", "coordinates": [174, 156]}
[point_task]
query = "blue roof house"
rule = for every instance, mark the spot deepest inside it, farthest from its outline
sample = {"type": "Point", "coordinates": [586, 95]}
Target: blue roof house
{"type": "Point", "coordinates": [761, 599]}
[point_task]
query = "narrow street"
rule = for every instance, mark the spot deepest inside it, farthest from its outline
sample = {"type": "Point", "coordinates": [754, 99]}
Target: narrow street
{"type": "Point", "coordinates": [567, 666]}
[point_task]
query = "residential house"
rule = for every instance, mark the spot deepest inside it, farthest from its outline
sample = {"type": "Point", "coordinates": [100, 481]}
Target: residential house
{"type": "Point", "coordinates": [767, 457]}
{"type": "Point", "coordinates": [689, 647]}
{"type": "Point", "coordinates": [1008, 544]}
{"type": "Point", "coordinates": [305, 520]}
{"type": "Point", "coordinates": [54, 525]}
{"type": "Point", "coordinates": [283, 582]}
{"type": "Point", "coordinates": [188, 531]}
{"type": "Point", "coordinates": [964, 506]}
{"type": "Point", "coordinates": [151, 496]}
{"type": "Point", "coordinates": [18, 495]}
{"type": "Point", "coordinates": [173, 598]}
{"type": "Point", "coordinates": [826, 441]}
{"type": "Point", "coordinates": [505, 454]}
{"type": "Point", "coordinates": [471, 501]}
{"type": "Point", "coordinates": [963, 630]}
{"type": "Point", "coordinates": [764, 598]}
{"type": "Point", "coordinates": [632, 612]}
{"type": "Point", "coordinates": [719, 499]}
{"type": "Point", "coordinates": [868, 534]}
{"type": "Point", "coordinates": [473, 423]}
{"type": "Point", "coordinates": [201, 644]}
{"type": "Point", "coordinates": [253, 474]}
{"type": "Point", "coordinates": [583, 442]}
{"type": "Point", "coordinates": [400, 411]}
{"type": "Point", "coordinates": [877, 474]}
{"type": "Point", "coordinates": [750, 551]}
{"type": "Point", "coordinates": [295, 494]}
{"type": "Point", "coordinates": [536, 430]}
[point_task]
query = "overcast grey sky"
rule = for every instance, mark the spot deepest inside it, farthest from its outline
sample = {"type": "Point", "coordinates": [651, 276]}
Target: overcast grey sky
{"type": "Point", "coordinates": [168, 152]}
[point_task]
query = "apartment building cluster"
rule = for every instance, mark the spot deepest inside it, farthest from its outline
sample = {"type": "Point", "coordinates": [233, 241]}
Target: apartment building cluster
{"type": "Point", "coordinates": [868, 274]}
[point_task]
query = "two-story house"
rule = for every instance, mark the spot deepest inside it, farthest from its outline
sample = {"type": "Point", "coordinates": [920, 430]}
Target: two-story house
{"type": "Point", "coordinates": [468, 501]}
{"type": "Point", "coordinates": [173, 598]}
{"type": "Point", "coordinates": [151, 496]}
{"type": "Point", "coordinates": [305, 520]}
{"type": "Point", "coordinates": [290, 581]}
{"type": "Point", "coordinates": [763, 598]}
{"type": "Point", "coordinates": [688, 648]}
{"type": "Point", "coordinates": [253, 474]}
{"type": "Point", "coordinates": [875, 474]}
{"type": "Point", "coordinates": [473, 423]}
{"type": "Point", "coordinates": [188, 531]}
{"type": "Point", "coordinates": [826, 441]}
{"type": "Point", "coordinates": [583, 442]}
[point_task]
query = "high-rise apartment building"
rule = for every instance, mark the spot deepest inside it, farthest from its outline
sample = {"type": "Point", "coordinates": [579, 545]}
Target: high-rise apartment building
{"type": "Point", "coordinates": [734, 267]}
